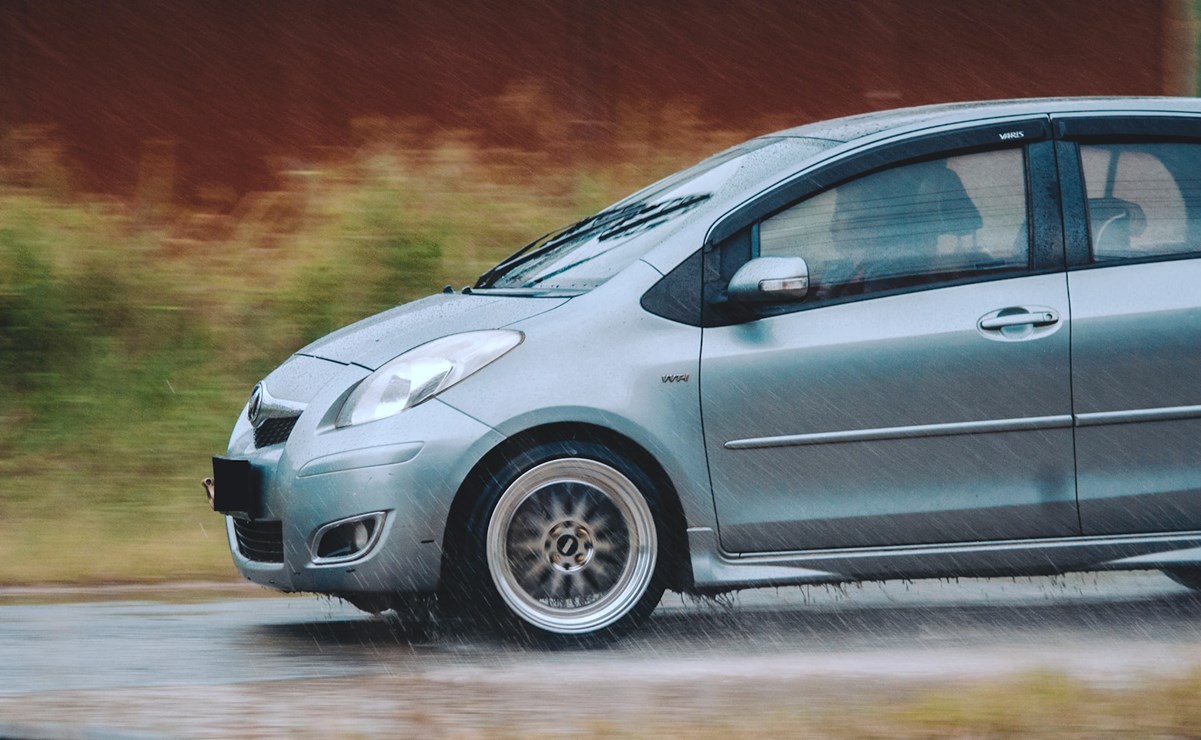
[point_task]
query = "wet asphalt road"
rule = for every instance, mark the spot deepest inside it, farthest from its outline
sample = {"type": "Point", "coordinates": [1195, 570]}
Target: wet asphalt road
{"type": "Point", "coordinates": [191, 661]}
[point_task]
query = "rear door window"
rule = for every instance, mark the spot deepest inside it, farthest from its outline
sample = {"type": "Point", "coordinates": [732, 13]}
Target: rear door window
{"type": "Point", "coordinates": [1144, 199]}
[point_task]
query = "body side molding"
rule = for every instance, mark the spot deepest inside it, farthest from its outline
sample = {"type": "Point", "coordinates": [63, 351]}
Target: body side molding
{"type": "Point", "coordinates": [1061, 421]}
{"type": "Point", "coordinates": [716, 570]}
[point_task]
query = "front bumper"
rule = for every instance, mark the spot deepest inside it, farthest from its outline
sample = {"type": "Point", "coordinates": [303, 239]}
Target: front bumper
{"type": "Point", "coordinates": [408, 467]}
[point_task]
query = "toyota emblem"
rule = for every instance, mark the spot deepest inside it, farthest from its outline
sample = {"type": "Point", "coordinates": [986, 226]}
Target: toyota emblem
{"type": "Point", "coordinates": [256, 404]}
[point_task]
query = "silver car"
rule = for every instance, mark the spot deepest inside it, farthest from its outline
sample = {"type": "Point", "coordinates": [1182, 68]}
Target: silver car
{"type": "Point", "coordinates": [941, 341]}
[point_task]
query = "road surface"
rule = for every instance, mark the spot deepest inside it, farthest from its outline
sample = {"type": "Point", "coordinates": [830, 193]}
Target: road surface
{"type": "Point", "coordinates": [193, 660]}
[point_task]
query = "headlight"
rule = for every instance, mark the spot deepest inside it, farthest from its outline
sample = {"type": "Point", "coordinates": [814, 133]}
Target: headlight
{"type": "Point", "coordinates": [422, 373]}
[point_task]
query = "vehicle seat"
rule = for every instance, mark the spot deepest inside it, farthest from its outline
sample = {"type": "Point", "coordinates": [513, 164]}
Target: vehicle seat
{"type": "Point", "coordinates": [955, 213]}
{"type": "Point", "coordinates": [892, 222]}
{"type": "Point", "coordinates": [1112, 222]}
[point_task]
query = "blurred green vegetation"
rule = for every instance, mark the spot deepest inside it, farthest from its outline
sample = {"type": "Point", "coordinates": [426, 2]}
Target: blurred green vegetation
{"type": "Point", "coordinates": [132, 329]}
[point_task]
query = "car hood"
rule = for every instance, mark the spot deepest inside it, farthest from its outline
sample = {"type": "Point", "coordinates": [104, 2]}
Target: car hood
{"type": "Point", "coordinates": [376, 340]}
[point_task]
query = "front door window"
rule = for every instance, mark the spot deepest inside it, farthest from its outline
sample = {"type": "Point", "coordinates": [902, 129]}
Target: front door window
{"type": "Point", "coordinates": [918, 224]}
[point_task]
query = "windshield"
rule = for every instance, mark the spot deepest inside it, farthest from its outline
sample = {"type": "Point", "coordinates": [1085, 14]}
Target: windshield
{"type": "Point", "coordinates": [584, 254]}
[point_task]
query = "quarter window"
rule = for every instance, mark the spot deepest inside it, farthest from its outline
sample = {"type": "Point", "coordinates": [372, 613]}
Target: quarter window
{"type": "Point", "coordinates": [917, 224]}
{"type": "Point", "coordinates": [1144, 200]}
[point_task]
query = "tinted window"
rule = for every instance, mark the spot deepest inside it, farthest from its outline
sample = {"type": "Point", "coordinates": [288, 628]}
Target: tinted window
{"type": "Point", "coordinates": [921, 223]}
{"type": "Point", "coordinates": [1144, 200]}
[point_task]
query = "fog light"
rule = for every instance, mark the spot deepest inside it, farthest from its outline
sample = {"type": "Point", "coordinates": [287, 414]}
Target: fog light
{"type": "Point", "coordinates": [346, 539]}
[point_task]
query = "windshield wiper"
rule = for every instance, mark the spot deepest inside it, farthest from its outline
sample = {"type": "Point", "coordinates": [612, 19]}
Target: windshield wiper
{"type": "Point", "coordinates": [610, 223]}
{"type": "Point", "coordinates": [648, 215]}
{"type": "Point", "coordinates": [552, 239]}
{"type": "Point", "coordinates": [648, 218]}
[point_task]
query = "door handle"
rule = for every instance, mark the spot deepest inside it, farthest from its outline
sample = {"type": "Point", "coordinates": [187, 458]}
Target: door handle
{"type": "Point", "coordinates": [1041, 317]}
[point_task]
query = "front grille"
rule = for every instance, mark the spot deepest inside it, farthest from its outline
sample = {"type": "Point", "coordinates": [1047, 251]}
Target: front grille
{"type": "Point", "coordinates": [274, 431]}
{"type": "Point", "coordinates": [262, 541]}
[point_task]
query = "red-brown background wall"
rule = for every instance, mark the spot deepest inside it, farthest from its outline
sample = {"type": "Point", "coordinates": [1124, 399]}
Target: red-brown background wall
{"type": "Point", "coordinates": [231, 83]}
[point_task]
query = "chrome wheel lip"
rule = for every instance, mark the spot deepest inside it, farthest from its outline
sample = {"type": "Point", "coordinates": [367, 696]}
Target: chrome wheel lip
{"type": "Point", "coordinates": [637, 570]}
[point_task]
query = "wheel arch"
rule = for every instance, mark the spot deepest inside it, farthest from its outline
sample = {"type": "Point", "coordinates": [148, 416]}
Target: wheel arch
{"type": "Point", "coordinates": [673, 542]}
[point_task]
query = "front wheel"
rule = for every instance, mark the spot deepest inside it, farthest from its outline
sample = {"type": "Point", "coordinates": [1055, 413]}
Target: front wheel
{"type": "Point", "coordinates": [571, 544]}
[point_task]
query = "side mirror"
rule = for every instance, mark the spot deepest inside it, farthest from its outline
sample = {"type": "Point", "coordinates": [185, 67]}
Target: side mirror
{"type": "Point", "coordinates": [768, 279]}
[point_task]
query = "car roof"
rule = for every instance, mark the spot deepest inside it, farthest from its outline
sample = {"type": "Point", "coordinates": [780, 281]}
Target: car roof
{"type": "Point", "coordinates": [797, 149]}
{"type": "Point", "coordinates": [869, 124]}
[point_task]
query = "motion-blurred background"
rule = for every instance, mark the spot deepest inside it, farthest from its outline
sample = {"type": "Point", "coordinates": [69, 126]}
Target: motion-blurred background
{"type": "Point", "coordinates": [190, 191]}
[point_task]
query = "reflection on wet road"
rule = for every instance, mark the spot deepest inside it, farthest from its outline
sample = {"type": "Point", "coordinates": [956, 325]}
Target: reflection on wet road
{"type": "Point", "coordinates": [220, 666]}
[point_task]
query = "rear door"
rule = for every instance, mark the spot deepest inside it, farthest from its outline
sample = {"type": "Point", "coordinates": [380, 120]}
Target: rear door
{"type": "Point", "coordinates": [1132, 198]}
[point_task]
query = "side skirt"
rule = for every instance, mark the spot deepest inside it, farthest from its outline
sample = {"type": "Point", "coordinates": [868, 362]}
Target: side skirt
{"type": "Point", "coordinates": [715, 570]}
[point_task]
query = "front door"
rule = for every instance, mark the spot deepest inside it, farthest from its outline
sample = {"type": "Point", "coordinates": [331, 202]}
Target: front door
{"type": "Point", "coordinates": [920, 393]}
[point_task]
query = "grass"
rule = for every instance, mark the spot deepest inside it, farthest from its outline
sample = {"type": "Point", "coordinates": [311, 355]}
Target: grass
{"type": "Point", "coordinates": [1039, 705]}
{"type": "Point", "coordinates": [1033, 706]}
{"type": "Point", "coordinates": [131, 330]}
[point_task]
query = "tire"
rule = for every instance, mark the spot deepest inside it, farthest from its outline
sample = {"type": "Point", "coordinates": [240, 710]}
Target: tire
{"type": "Point", "coordinates": [1190, 577]}
{"type": "Point", "coordinates": [564, 542]}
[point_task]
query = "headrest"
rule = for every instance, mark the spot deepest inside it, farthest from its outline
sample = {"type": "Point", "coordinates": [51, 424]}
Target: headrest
{"type": "Point", "coordinates": [957, 214]}
{"type": "Point", "coordinates": [1103, 210]}
{"type": "Point", "coordinates": [928, 194]}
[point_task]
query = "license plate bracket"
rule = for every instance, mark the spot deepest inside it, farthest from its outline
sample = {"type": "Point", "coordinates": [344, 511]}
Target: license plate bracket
{"type": "Point", "coordinates": [235, 487]}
